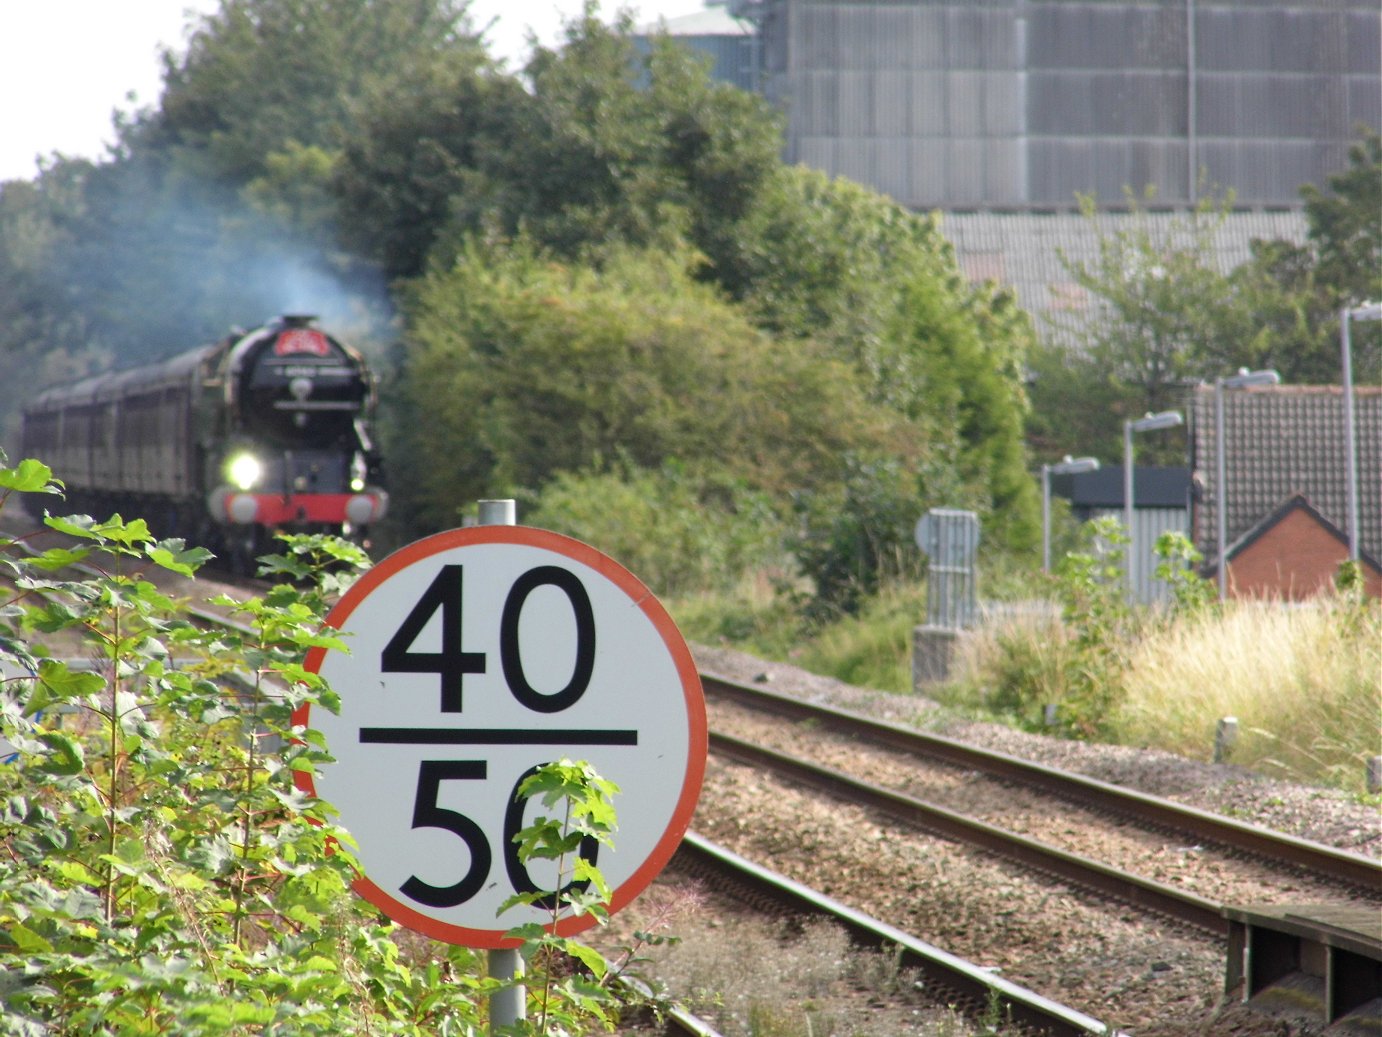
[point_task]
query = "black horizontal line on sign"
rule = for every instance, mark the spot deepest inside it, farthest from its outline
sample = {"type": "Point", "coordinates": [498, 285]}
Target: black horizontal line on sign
{"type": "Point", "coordinates": [495, 736]}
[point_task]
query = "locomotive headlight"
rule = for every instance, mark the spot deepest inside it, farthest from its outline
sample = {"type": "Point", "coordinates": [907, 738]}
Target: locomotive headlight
{"type": "Point", "coordinates": [244, 471]}
{"type": "Point", "coordinates": [358, 471]}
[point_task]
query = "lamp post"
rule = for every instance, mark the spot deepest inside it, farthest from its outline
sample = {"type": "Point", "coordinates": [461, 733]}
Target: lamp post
{"type": "Point", "coordinates": [1152, 422]}
{"type": "Point", "coordinates": [1070, 466]}
{"type": "Point", "coordinates": [1367, 311]}
{"type": "Point", "coordinates": [1241, 380]}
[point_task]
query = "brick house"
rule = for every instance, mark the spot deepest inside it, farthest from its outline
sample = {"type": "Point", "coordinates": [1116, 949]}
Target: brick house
{"type": "Point", "coordinates": [1292, 554]}
{"type": "Point", "coordinates": [1285, 493]}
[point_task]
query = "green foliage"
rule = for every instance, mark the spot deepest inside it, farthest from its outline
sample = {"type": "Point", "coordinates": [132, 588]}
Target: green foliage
{"type": "Point", "coordinates": [872, 649]}
{"type": "Point", "coordinates": [680, 531]}
{"type": "Point", "coordinates": [860, 535]}
{"type": "Point", "coordinates": [527, 367]}
{"type": "Point", "coordinates": [1167, 315]}
{"type": "Point", "coordinates": [880, 286]}
{"type": "Point", "coordinates": [164, 873]}
{"type": "Point", "coordinates": [418, 165]}
{"type": "Point", "coordinates": [586, 820]}
{"type": "Point", "coordinates": [620, 147]}
{"type": "Point", "coordinates": [1093, 594]}
{"type": "Point", "coordinates": [259, 74]}
{"type": "Point", "coordinates": [41, 333]}
{"type": "Point", "coordinates": [1344, 227]}
{"type": "Point", "coordinates": [604, 146]}
{"type": "Point", "coordinates": [1191, 593]}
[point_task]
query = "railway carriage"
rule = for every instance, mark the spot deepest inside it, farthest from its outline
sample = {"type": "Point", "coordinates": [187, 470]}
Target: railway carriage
{"type": "Point", "coordinates": [224, 444]}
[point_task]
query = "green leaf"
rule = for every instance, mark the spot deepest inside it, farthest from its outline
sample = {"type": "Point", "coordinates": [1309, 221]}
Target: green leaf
{"type": "Point", "coordinates": [73, 525]}
{"type": "Point", "coordinates": [135, 531]}
{"type": "Point", "coordinates": [75, 872]}
{"type": "Point", "coordinates": [176, 557]}
{"type": "Point", "coordinates": [589, 956]}
{"type": "Point", "coordinates": [29, 477]}
{"type": "Point", "coordinates": [67, 757]}
{"type": "Point", "coordinates": [56, 558]}
{"type": "Point", "coordinates": [65, 684]}
{"type": "Point", "coordinates": [27, 941]}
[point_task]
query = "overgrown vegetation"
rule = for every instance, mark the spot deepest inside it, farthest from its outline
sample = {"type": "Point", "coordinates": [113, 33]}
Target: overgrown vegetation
{"type": "Point", "coordinates": [1304, 680]}
{"type": "Point", "coordinates": [163, 873]}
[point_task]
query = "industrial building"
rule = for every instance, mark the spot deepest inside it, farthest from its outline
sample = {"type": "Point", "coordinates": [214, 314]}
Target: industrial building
{"type": "Point", "coordinates": [1021, 105]}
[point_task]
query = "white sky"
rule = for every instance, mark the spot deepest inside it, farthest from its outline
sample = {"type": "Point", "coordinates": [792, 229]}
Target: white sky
{"type": "Point", "coordinates": [67, 65]}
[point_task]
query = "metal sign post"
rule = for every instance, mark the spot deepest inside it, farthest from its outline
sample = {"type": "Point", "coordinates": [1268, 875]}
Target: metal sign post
{"type": "Point", "coordinates": [477, 656]}
{"type": "Point", "coordinates": [509, 1004]}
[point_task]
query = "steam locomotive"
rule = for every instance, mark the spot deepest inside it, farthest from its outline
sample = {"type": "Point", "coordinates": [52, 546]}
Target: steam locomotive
{"type": "Point", "coordinates": [225, 444]}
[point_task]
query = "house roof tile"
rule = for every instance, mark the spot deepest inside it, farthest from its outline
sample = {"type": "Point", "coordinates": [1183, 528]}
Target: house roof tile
{"type": "Point", "coordinates": [1280, 441]}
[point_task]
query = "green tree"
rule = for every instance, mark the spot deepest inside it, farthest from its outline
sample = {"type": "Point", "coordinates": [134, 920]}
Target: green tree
{"type": "Point", "coordinates": [622, 146]}
{"type": "Point", "coordinates": [880, 286]}
{"type": "Point", "coordinates": [418, 162]}
{"type": "Point", "coordinates": [604, 146]}
{"type": "Point", "coordinates": [1302, 289]}
{"type": "Point", "coordinates": [1346, 224]}
{"type": "Point", "coordinates": [258, 74]}
{"type": "Point", "coordinates": [520, 367]}
{"type": "Point", "coordinates": [42, 332]}
{"type": "Point", "coordinates": [1167, 316]}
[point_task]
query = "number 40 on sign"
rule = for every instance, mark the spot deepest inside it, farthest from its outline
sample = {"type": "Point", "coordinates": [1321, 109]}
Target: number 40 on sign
{"type": "Point", "coordinates": [475, 657]}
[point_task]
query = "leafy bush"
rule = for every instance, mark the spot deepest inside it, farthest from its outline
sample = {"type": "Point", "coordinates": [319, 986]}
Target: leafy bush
{"type": "Point", "coordinates": [859, 536]}
{"type": "Point", "coordinates": [677, 530]}
{"type": "Point", "coordinates": [526, 368]}
{"type": "Point", "coordinates": [163, 872]}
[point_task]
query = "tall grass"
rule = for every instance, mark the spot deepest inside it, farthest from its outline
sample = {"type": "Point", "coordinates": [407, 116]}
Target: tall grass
{"type": "Point", "coordinates": [1304, 682]}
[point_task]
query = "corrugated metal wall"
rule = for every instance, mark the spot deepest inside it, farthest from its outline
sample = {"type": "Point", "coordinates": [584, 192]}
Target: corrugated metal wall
{"type": "Point", "coordinates": [1023, 103]}
{"type": "Point", "coordinates": [1148, 525]}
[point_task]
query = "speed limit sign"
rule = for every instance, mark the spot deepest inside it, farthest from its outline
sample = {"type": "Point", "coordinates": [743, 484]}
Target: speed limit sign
{"type": "Point", "coordinates": [476, 656]}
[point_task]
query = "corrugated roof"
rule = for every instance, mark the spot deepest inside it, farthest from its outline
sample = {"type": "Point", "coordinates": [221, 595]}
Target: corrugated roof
{"type": "Point", "coordinates": [1024, 250]}
{"type": "Point", "coordinates": [1283, 440]}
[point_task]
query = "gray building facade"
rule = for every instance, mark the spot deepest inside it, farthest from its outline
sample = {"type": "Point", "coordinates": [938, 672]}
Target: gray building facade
{"type": "Point", "coordinates": [1020, 104]}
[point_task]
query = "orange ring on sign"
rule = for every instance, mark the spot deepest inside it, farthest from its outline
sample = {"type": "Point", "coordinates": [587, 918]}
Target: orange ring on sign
{"type": "Point", "coordinates": [687, 675]}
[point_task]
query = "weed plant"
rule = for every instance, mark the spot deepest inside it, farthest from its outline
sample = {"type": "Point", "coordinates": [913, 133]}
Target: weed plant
{"type": "Point", "coordinates": [162, 873]}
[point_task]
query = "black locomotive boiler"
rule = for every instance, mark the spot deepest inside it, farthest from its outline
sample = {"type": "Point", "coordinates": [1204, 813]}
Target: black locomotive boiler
{"type": "Point", "coordinates": [225, 444]}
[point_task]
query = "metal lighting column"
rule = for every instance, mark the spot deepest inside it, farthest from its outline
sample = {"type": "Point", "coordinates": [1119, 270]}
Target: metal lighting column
{"type": "Point", "coordinates": [1241, 380]}
{"type": "Point", "coordinates": [1367, 311]}
{"type": "Point", "coordinates": [1070, 466]}
{"type": "Point", "coordinates": [509, 1005]}
{"type": "Point", "coordinates": [1165, 419]}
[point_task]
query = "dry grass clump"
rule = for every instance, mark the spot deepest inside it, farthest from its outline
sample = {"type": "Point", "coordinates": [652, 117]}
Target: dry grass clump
{"type": "Point", "coordinates": [1303, 681]}
{"type": "Point", "coordinates": [1013, 658]}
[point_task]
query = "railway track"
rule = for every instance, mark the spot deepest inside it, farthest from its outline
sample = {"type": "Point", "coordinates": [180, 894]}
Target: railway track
{"type": "Point", "coordinates": [1340, 869]}
{"type": "Point", "coordinates": [1229, 856]}
{"type": "Point", "coordinates": [949, 979]}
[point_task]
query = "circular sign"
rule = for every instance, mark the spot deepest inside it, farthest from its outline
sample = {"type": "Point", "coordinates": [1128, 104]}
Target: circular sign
{"type": "Point", "coordinates": [476, 656]}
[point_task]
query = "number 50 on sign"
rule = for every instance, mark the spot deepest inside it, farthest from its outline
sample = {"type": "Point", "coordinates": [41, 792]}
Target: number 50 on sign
{"type": "Point", "coordinates": [477, 656]}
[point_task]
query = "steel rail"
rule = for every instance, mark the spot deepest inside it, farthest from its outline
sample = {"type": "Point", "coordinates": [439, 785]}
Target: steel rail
{"type": "Point", "coordinates": [969, 981]}
{"type": "Point", "coordinates": [1032, 853]}
{"type": "Point", "coordinates": [1323, 861]}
